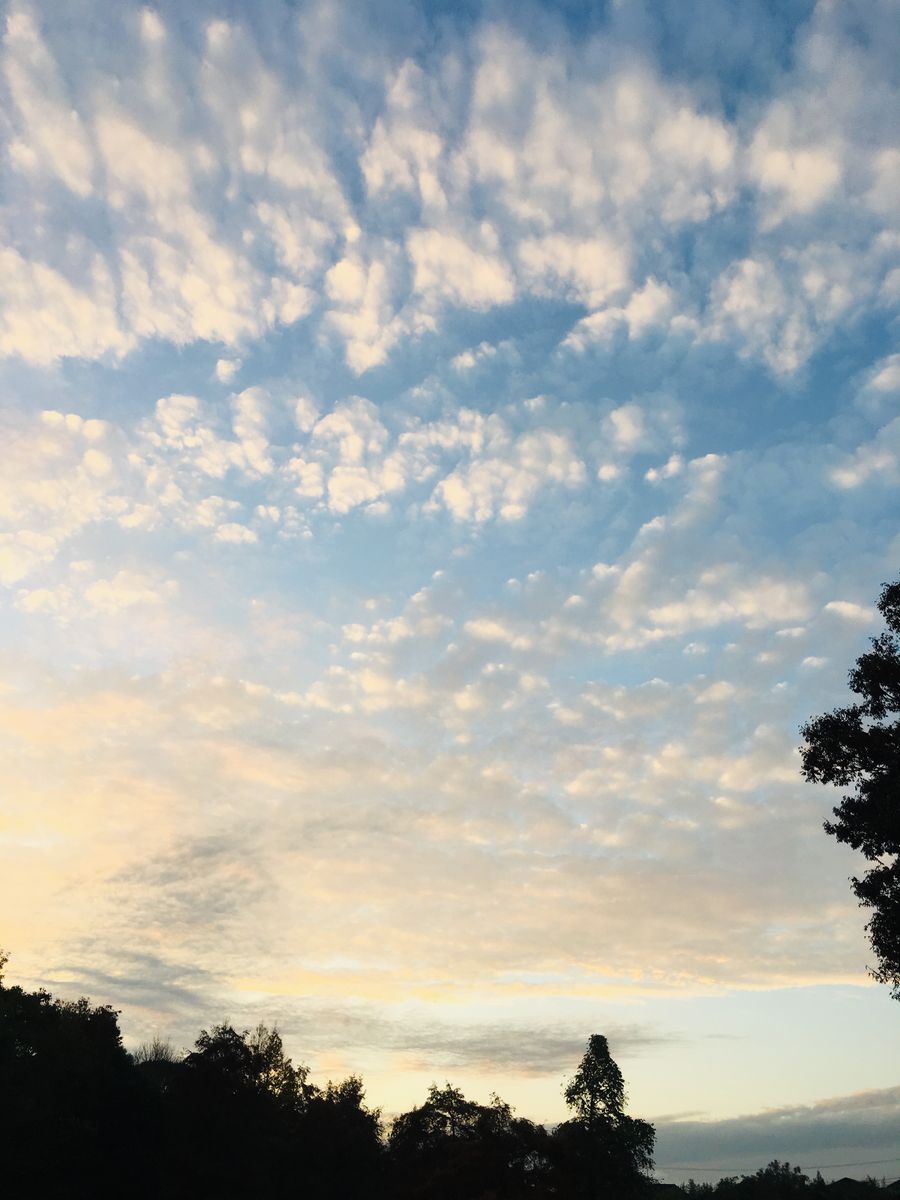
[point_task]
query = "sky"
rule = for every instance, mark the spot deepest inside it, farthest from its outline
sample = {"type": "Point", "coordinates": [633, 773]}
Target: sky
{"type": "Point", "coordinates": [449, 450]}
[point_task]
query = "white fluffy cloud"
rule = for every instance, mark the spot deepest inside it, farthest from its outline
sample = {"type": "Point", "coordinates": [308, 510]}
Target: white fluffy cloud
{"type": "Point", "coordinates": [226, 216]}
{"type": "Point", "coordinates": [505, 482]}
{"type": "Point", "coordinates": [877, 460]}
{"type": "Point", "coordinates": [50, 138]}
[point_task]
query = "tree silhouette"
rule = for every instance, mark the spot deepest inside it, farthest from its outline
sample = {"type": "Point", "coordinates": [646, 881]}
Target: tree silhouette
{"type": "Point", "coordinates": [70, 1108]}
{"type": "Point", "coordinates": [597, 1089]}
{"type": "Point", "coordinates": [341, 1139]}
{"type": "Point", "coordinates": [233, 1119]}
{"type": "Point", "coordinates": [858, 746]}
{"type": "Point", "coordinates": [451, 1148]}
{"type": "Point", "coordinates": [234, 1112]}
{"type": "Point", "coordinates": [604, 1152]}
{"type": "Point", "coordinates": [775, 1179]}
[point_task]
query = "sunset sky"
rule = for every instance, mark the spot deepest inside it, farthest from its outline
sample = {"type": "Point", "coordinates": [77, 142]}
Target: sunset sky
{"type": "Point", "coordinates": [449, 449]}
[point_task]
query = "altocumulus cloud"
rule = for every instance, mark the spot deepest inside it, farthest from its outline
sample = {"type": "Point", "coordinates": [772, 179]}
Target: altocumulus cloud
{"type": "Point", "coordinates": [220, 228]}
{"type": "Point", "coordinates": [445, 460]}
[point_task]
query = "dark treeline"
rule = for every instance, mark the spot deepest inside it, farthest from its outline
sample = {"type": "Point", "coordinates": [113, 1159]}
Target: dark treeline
{"type": "Point", "coordinates": [234, 1117]}
{"type": "Point", "coordinates": [781, 1179]}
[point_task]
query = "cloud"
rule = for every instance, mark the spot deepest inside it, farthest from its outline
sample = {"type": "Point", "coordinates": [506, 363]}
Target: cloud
{"type": "Point", "coordinates": [442, 461]}
{"type": "Point", "coordinates": [47, 316]}
{"type": "Point", "coordinates": [850, 611]}
{"type": "Point", "coordinates": [361, 469]}
{"type": "Point", "coordinates": [433, 1046]}
{"type": "Point", "coordinates": [147, 983]}
{"type": "Point", "coordinates": [226, 369]}
{"type": "Point", "coordinates": [170, 266]}
{"type": "Point", "coordinates": [249, 423]}
{"type": "Point", "coordinates": [366, 295]}
{"type": "Point", "coordinates": [877, 460]}
{"type": "Point", "coordinates": [858, 1127]}
{"type": "Point", "coordinates": [650, 307]}
{"type": "Point", "coordinates": [446, 267]}
{"type": "Point", "coordinates": [235, 534]}
{"type": "Point", "coordinates": [505, 199]}
{"type": "Point", "coordinates": [592, 269]}
{"type": "Point", "coordinates": [504, 484]}
{"type": "Point", "coordinates": [800, 178]}
{"type": "Point", "coordinates": [403, 153]}
{"type": "Point", "coordinates": [752, 302]}
{"type": "Point", "coordinates": [60, 476]}
{"type": "Point", "coordinates": [466, 359]}
{"type": "Point", "coordinates": [284, 819]}
{"type": "Point", "coordinates": [768, 601]}
{"type": "Point", "coordinates": [126, 589]}
{"type": "Point", "coordinates": [51, 138]}
{"type": "Point", "coordinates": [487, 630]}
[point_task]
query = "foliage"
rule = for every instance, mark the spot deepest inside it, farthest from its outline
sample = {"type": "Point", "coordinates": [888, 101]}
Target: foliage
{"type": "Point", "coordinates": [602, 1149]}
{"type": "Point", "coordinates": [66, 1092]}
{"type": "Point", "coordinates": [780, 1181]}
{"type": "Point", "coordinates": [775, 1179]}
{"type": "Point", "coordinates": [238, 1096]}
{"type": "Point", "coordinates": [450, 1147]}
{"type": "Point", "coordinates": [597, 1089]}
{"type": "Point", "coordinates": [343, 1145]}
{"type": "Point", "coordinates": [155, 1051]}
{"type": "Point", "coordinates": [234, 1119]}
{"type": "Point", "coordinates": [858, 746]}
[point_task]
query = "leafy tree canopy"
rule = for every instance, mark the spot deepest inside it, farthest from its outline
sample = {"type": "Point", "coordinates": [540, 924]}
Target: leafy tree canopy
{"type": "Point", "coordinates": [604, 1151]}
{"type": "Point", "coordinates": [597, 1089]}
{"type": "Point", "coordinates": [858, 747]}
